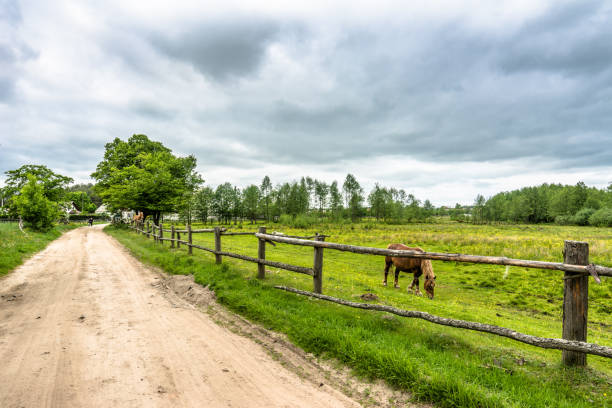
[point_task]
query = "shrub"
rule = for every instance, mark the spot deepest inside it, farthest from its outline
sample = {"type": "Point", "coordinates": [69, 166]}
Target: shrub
{"type": "Point", "coordinates": [601, 218]}
{"type": "Point", "coordinates": [563, 219]}
{"type": "Point", "coordinates": [36, 210]}
{"type": "Point", "coordinates": [582, 216]}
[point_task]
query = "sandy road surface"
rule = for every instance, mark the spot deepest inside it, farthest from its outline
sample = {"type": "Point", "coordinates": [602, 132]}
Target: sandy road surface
{"type": "Point", "coordinates": [82, 326]}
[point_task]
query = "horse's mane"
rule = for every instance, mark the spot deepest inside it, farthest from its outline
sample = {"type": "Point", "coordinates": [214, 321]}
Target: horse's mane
{"type": "Point", "coordinates": [427, 269]}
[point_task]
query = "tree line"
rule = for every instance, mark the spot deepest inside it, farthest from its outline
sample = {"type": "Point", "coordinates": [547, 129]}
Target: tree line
{"type": "Point", "coordinates": [547, 203]}
{"type": "Point", "coordinates": [143, 175]}
{"type": "Point", "coordinates": [305, 201]}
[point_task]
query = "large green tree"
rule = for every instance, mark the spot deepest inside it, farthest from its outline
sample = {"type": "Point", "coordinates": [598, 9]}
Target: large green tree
{"type": "Point", "coordinates": [222, 202]}
{"type": "Point", "coordinates": [250, 203]}
{"type": "Point", "coordinates": [335, 200]}
{"type": "Point", "coordinates": [81, 200]}
{"type": "Point", "coordinates": [266, 191]}
{"type": "Point", "coordinates": [353, 195]}
{"type": "Point", "coordinates": [144, 175]}
{"type": "Point", "coordinates": [53, 185]}
{"type": "Point", "coordinates": [89, 190]}
{"type": "Point", "coordinates": [202, 203]}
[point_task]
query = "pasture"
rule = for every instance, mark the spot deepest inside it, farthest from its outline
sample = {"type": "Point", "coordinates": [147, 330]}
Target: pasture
{"type": "Point", "coordinates": [448, 366]}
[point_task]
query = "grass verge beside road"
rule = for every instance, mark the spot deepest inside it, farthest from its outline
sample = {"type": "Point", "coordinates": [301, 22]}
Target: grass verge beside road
{"type": "Point", "coordinates": [15, 246]}
{"type": "Point", "coordinates": [450, 367]}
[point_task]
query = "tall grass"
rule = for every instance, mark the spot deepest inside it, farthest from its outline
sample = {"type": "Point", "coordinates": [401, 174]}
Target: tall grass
{"type": "Point", "coordinates": [450, 367]}
{"type": "Point", "coordinates": [15, 246]}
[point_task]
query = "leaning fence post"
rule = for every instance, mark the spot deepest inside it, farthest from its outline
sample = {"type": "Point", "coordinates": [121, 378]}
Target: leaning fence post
{"type": "Point", "coordinates": [575, 300]}
{"type": "Point", "coordinates": [190, 250]}
{"type": "Point", "coordinates": [218, 258]}
{"type": "Point", "coordinates": [261, 254]}
{"type": "Point", "coordinates": [161, 233]}
{"type": "Point", "coordinates": [172, 236]}
{"type": "Point", "coordinates": [317, 278]}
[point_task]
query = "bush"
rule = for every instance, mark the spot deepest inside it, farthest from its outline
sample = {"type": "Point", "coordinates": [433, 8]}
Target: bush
{"type": "Point", "coordinates": [36, 210]}
{"type": "Point", "coordinates": [582, 216]}
{"type": "Point", "coordinates": [601, 218]}
{"type": "Point", "coordinates": [563, 219]}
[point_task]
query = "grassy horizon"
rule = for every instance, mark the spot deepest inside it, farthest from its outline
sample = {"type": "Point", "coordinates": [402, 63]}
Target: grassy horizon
{"type": "Point", "coordinates": [450, 367]}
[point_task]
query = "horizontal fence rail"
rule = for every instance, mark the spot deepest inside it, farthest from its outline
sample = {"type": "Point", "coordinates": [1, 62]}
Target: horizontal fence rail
{"type": "Point", "coordinates": [543, 342]}
{"type": "Point", "coordinates": [492, 260]}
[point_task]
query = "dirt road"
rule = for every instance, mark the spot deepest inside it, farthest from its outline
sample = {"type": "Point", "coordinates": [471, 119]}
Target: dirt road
{"type": "Point", "coordinates": [84, 325]}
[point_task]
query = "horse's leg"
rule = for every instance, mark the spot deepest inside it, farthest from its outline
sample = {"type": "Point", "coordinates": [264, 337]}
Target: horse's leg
{"type": "Point", "coordinates": [415, 282]}
{"type": "Point", "coordinates": [395, 282]}
{"type": "Point", "coordinates": [388, 263]}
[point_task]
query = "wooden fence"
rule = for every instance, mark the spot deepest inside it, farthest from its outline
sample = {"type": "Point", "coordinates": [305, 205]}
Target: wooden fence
{"type": "Point", "coordinates": [575, 266]}
{"type": "Point", "coordinates": [8, 220]}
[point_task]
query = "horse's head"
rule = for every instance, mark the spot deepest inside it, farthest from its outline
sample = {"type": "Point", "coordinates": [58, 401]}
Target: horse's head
{"type": "Point", "coordinates": [429, 286]}
{"type": "Point", "coordinates": [430, 278]}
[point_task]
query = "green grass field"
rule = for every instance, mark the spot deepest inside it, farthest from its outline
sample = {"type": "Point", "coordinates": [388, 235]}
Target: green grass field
{"type": "Point", "coordinates": [15, 247]}
{"type": "Point", "coordinates": [450, 367]}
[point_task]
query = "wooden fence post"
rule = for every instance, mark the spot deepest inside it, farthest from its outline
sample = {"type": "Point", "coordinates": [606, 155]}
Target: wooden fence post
{"type": "Point", "coordinates": [575, 300]}
{"type": "Point", "coordinates": [148, 229]}
{"type": "Point", "coordinates": [218, 258]}
{"type": "Point", "coordinates": [178, 238]}
{"type": "Point", "coordinates": [261, 254]}
{"type": "Point", "coordinates": [318, 266]}
{"type": "Point", "coordinates": [172, 236]}
{"type": "Point", "coordinates": [190, 250]}
{"type": "Point", "coordinates": [161, 233]}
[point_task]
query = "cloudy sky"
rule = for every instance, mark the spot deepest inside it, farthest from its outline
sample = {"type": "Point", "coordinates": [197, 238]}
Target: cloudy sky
{"type": "Point", "coordinates": [446, 99]}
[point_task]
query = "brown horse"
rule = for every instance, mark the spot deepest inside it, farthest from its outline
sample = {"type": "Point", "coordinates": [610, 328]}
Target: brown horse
{"type": "Point", "coordinates": [417, 266]}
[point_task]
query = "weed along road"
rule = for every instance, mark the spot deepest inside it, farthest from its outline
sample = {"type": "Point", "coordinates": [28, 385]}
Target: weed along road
{"type": "Point", "coordinates": [84, 324]}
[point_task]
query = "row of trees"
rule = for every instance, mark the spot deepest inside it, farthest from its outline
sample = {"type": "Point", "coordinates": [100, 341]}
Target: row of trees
{"type": "Point", "coordinates": [562, 204]}
{"type": "Point", "coordinates": [144, 175]}
{"type": "Point", "coordinates": [307, 197]}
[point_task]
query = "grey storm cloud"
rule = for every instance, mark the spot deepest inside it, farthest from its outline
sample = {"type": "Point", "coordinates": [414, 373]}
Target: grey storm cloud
{"type": "Point", "coordinates": [451, 93]}
{"type": "Point", "coordinates": [13, 51]}
{"type": "Point", "coordinates": [574, 40]}
{"type": "Point", "coordinates": [222, 49]}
